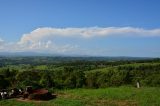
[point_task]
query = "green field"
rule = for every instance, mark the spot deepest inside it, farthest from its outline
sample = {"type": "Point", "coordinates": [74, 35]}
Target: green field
{"type": "Point", "coordinates": [118, 96]}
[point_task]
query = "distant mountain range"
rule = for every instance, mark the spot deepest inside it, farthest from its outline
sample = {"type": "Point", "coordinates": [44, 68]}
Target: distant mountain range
{"type": "Point", "coordinates": [25, 54]}
{"type": "Point", "coordinates": [83, 57]}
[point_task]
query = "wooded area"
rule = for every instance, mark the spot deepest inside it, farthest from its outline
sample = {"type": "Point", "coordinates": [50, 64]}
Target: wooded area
{"type": "Point", "coordinates": [77, 72]}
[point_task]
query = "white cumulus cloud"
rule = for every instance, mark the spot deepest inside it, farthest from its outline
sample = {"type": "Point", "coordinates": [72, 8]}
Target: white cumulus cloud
{"type": "Point", "coordinates": [44, 39]}
{"type": "Point", "coordinates": [48, 32]}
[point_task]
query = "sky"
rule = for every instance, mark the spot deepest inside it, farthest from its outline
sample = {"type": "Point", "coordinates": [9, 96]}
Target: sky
{"type": "Point", "coordinates": [81, 27]}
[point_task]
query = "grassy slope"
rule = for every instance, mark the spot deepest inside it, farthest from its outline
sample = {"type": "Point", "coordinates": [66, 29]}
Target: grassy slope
{"type": "Point", "coordinates": [122, 96]}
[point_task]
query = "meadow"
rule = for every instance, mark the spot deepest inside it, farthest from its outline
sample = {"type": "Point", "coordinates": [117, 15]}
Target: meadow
{"type": "Point", "coordinates": [112, 96]}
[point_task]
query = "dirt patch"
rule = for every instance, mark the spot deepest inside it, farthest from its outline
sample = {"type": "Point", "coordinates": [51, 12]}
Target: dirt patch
{"type": "Point", "coordinates": [28, 100]}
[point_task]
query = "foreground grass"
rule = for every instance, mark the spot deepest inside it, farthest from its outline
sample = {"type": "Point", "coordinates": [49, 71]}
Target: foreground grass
{"type": "Point", "coordinates": [120, 96]}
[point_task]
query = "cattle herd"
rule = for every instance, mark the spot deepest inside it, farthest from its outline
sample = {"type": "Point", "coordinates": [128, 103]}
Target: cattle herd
{"type": "Point", "coordinates": [27, 93]}
{"type": "Point", "coordinates": [12, 93]}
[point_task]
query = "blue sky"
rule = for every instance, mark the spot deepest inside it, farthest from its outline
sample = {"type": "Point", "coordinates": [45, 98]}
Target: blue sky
{"type": "Point", "coordinates": [129, 27]}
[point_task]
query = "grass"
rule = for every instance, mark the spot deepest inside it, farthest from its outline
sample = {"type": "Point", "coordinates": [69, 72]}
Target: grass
{"type": "Point", "coordinates": [119, 96]}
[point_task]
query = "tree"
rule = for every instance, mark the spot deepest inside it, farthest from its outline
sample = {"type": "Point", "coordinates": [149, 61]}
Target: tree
{"type": "Point", "coordinates": [46, 80]}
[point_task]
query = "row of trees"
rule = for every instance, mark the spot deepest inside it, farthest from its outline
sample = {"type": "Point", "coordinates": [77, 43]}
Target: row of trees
{"type": "Point", "coordinates": [71, 77]}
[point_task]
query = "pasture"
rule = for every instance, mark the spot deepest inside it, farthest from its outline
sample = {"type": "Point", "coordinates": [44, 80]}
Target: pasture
{"type": "Point", "coordinates": [112, 96]}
